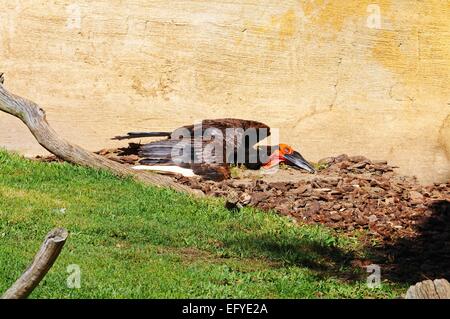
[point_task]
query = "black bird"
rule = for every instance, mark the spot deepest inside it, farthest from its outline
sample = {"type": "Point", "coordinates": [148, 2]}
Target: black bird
{"type": "Point", "coordinates": [209, 148]}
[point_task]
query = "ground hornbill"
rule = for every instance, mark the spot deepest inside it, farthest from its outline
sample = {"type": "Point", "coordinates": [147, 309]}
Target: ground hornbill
{"type": "Point", "coordinates": [209, 148]}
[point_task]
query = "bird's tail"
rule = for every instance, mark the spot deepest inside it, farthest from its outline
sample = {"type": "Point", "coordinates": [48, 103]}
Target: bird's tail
{"type": "Point", "coordinates": [132, 135]}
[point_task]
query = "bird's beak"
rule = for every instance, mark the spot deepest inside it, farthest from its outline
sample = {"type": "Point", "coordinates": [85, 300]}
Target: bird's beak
{"type": "Point", "coordinates": [297, 159]}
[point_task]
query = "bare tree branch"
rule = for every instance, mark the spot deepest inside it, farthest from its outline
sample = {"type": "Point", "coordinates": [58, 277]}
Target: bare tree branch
{"type": "Point", "coordinates": [43, 261]}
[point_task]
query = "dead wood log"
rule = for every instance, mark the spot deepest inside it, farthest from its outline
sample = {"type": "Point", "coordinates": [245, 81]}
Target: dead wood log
{"type": "Point", "coordinates": [428, 289]}
{"type": "Point", "coordinates": [41, 264]}
{"type": "Point", "coordinates": [34, 118]}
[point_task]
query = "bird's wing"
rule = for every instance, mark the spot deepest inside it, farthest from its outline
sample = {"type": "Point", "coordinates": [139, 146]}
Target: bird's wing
{"type": "Point", "coordinates": [182, 152]}
{"type": "Point", "coordinates": [223, 124]}
{"type": "Point", "coordinates": [236, 133]}
{"type": "Point", "coordinates": [212, 141]}
{"type": "Point", "coordinates": [168, 152]}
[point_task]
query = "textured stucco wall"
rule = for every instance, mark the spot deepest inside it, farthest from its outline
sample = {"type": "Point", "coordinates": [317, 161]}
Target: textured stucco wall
{"type": "Point", "coordinates": [355, 76]}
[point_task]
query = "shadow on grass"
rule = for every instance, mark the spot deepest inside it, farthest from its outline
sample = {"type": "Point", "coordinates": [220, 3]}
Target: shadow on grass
{"type": "Point", "coordinates": [426, 256]}
{"type": "Point", "coordinates": [407, 260]}
{"type": "Point", "coordinates": [324, 260]}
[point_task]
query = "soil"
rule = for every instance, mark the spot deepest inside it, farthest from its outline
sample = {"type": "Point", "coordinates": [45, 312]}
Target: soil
{"type": "Point", "coordinates": [405, 224]}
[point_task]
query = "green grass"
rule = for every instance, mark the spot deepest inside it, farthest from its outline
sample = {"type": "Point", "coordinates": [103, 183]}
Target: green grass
{"type": "Point", "coordinates": [133, 241]}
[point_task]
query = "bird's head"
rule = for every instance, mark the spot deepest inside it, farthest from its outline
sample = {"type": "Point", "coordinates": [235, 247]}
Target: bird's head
{"type": "Point", "coordinates": [286, 154]}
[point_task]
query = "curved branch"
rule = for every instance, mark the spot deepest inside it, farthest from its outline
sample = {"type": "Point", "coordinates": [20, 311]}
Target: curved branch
{"type": "Point", "coordinates": [34, 118]}
{"type": "Point", "coordinates": [42, 262]}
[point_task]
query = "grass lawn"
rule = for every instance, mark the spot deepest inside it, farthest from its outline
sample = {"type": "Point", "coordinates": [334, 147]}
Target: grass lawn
{"type": "Point", "coordinates": [133, 241]}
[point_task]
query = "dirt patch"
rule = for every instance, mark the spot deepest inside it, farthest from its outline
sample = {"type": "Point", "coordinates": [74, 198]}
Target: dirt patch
{"type": "Point", "coordinates": [406, 224]}
{"type": "Point", "coordinates": [347, 194]}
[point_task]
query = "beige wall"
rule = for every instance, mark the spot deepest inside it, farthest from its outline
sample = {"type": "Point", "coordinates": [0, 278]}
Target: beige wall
{"type": "Point", "coordinates": [322, 71]}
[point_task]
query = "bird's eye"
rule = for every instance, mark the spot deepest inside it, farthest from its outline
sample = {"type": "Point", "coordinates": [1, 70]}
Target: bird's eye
{"type": "Point", "coordinates": [285, 149]}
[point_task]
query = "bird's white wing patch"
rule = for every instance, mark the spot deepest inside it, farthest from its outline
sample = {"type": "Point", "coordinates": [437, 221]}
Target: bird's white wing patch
{"type": "Point", "coordinates": [170, 169]}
